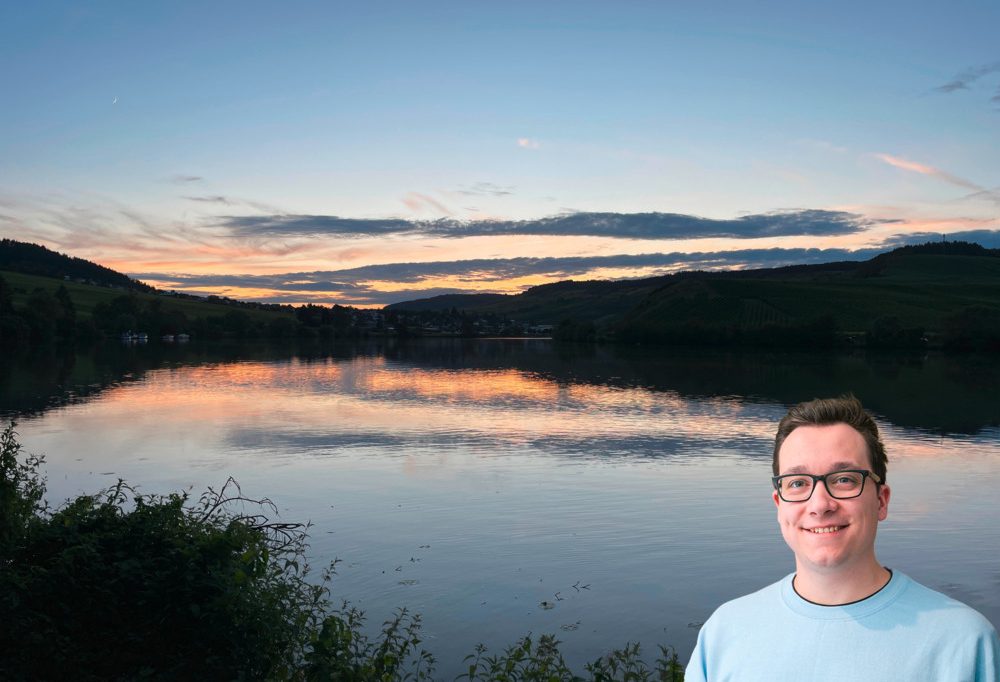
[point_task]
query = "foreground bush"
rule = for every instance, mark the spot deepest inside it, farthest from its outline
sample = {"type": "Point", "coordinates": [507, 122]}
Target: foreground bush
{"type": "Point", "coordinates": [121, 586]}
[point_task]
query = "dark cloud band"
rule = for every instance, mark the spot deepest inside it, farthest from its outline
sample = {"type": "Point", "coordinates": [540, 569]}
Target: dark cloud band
{"type": "Point", "coordinates": [810, 222]}
{"type": "Point", "coordinates": [360, 286]}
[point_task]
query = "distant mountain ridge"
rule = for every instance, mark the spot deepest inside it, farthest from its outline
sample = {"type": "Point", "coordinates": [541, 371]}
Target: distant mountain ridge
{"type": "Point", "coordinates": [34, 259]}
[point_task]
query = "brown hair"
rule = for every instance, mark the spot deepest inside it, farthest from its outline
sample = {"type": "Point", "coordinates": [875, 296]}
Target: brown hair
{"type": "Point", "coordinates": [825, 411]}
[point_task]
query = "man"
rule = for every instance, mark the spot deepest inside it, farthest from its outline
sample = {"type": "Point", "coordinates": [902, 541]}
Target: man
{"type": "Point", "coordinates": [842, 615]}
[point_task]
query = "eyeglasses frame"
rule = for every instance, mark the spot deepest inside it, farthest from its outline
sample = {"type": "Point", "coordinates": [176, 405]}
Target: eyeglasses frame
{"type": "Point", "coordinates": [865, 473]}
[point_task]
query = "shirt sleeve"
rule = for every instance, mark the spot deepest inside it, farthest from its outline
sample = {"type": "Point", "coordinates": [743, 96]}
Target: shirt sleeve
{"type": "Point", "coordinates": [697, 670]}
{"type": "Point", "coordinates": [988, 658]}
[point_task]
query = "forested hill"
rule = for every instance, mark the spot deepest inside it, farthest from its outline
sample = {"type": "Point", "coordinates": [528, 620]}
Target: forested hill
{"type": "Point", "coordinates": [33, 259]}
{"type": "Point", "coordinates": [905, 292]}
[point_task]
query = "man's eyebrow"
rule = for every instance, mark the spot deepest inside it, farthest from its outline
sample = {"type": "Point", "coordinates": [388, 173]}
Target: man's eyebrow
{"type": "Point", "coordinates": [837, 466]}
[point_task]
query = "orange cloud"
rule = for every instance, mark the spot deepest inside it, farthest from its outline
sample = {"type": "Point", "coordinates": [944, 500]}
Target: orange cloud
{"type": "Point", "coordinates": [924, 169]}
{"type": "Point", "coordinates": [418, 202]}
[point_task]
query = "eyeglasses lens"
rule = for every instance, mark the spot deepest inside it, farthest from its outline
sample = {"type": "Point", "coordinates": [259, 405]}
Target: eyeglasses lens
{"type": "Point", "coordinates": [840, 484]}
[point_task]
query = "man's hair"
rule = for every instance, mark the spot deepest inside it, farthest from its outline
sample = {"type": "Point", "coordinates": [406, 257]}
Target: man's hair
{"type": "Point", "coordinates": [826, 411]}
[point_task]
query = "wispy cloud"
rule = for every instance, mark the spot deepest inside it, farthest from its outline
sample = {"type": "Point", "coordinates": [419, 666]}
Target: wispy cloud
{"type": "Point", "coordinates": [924, 169]}
{"type": "Point", "coordinates": [992, 195]}
{"type": "Point", "coordinates": [528, 143]}
{"type": "Point", "coordinates": [481, 189]}
{"type": "Point", "coordinates": [217, 199]}
{"type": "Point", "coordinates": [796, 222]}
{"type": "Point", "coordinates": [963, 80]}
{"type": "Point", "coordinates": [184, 179]}
{"type": "Point", "coordinates": [969, 76]}
{"type": "Point", "coordinates": [419, 203]}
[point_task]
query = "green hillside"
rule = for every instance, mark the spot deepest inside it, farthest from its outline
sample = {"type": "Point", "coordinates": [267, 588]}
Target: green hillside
{"type": "Point", "coordinates": [34, 259]}
{"type": "Point", "coordinates": [917, 290]}
{"type": "Point", "coordinates": [906, 293]}
{"type": "Point", "coordinates": [86, 297]}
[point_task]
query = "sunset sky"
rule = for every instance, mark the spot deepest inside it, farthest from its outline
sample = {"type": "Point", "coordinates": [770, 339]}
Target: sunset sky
{"type": "Point", "coordinates": [364, 153]}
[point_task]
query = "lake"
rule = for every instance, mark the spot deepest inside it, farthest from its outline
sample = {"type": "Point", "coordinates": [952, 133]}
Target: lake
{"type": "Point", "coordinates": [472, 480]}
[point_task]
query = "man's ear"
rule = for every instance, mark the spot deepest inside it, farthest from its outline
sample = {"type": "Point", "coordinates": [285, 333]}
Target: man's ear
{"type": "Point", "coordinates": [883, 502]}
{"type": "Point", "coordinates": [777, 500]}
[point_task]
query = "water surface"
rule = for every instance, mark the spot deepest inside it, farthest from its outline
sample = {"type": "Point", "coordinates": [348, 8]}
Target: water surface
{"type": "Point", "coordinates": [472, 481]}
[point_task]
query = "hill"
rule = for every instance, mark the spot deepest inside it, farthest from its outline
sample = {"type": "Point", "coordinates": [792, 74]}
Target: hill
{"type": "Point", "coordinates": [910, 290]}
{"type": "Point", "coordinates": [47, 296]}
{"type": "Point", "coordinates": [918, 288]}
{"type": "Point", "coordinates": [89, 297]}
{"type": "Point", "coordinates": [33, 259]}
{"type": "Point", "coordinates": [447, 302]}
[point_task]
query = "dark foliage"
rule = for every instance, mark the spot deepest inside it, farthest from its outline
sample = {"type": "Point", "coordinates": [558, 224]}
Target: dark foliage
{"type": "Point", "coordinates": [121, 586]}
{"type": "Point", "coordinates": [976, 328]}
{"type": "Point", "coordinates": [820, 332]}
{"type": "Point", "coordinates": [888, 332]}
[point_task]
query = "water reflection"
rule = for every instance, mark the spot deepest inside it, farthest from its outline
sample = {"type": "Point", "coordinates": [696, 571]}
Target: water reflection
{"type": "Point", "coordinates": [934, 393]}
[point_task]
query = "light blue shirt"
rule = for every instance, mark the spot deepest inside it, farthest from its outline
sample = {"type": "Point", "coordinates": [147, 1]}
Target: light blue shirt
{"type": "Point", "coordinates": [905, 632]}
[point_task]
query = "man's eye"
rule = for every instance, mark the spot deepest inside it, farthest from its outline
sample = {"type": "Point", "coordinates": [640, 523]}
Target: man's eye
{"type": "Point", "coordinates": [797, 483]}
{"type": "Point", "coordinates": [847, 480]}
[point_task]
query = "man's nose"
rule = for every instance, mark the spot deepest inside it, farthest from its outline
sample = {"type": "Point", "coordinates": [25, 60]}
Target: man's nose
{"type": "Point", "coordinates": [821, 501]}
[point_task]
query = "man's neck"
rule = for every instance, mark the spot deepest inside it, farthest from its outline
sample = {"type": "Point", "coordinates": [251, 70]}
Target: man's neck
{"type": "Point", "coordinates": [842, 586]}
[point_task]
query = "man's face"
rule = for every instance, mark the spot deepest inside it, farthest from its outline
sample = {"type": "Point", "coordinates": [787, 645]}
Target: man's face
{"type": "Point", "coordinates": [827, 534]}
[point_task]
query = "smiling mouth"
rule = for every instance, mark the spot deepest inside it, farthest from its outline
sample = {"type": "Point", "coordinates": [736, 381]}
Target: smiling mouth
{"type": "Point", "coordinates": [825, 529]}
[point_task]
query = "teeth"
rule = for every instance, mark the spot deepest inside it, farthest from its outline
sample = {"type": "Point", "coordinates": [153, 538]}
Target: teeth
{"type": "Point", "coordinates": [828, 529]}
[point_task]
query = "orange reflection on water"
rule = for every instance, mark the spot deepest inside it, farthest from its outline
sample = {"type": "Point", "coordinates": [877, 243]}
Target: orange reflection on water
{"type": "Point", "coordinates": [371, 395]}
{"type": "Point", "coordinates": [375, 396]}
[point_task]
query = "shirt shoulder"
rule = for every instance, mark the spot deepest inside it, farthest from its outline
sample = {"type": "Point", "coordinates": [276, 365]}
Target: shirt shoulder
{"type": "Point", "coordinates": [960, 617]}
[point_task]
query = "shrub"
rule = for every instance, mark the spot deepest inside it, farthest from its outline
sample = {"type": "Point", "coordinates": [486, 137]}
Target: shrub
{"type": "Point", "coordinates": [123, 585]}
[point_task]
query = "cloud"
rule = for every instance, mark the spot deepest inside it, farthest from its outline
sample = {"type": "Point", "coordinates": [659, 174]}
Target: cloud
{"type": "Point", "coordinates": [183, 179]}
{"type": "Point", "coordinates": [928, 170]}
{"type": "Point", "coordinates": [481, 189]}
{"type": "Point", "coordinates": [969, 76]}
{"type": "Point", "coordinates": [992, 195]}
{"type": "Point", "coordinates": [420, 202]}
{"type": "Point", "coordinates": [814, 222]}
{"type": "Point", "coordinates": [528, 143]}
{"type": "Point", "coordinates": [310, 225]}
{"type": "Point", "coordinates": [211, 200]}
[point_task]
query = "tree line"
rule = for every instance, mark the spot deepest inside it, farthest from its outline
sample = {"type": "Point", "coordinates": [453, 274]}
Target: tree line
{"type": "Point", "coordinates": [46, 317]}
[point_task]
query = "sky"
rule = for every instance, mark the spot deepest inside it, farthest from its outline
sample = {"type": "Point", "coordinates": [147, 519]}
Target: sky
{"type": "Point", "coordinates": [365, 153]}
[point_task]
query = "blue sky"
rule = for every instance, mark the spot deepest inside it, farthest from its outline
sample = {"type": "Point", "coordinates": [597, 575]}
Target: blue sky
{"type": "Point", "coordinates": [157, 138]}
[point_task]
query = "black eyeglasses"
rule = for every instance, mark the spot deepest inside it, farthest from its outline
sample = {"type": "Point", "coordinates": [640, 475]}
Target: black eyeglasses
{"type": "Point", "coordinates": [842, 485]}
